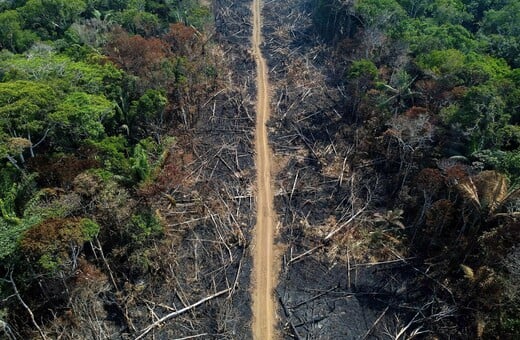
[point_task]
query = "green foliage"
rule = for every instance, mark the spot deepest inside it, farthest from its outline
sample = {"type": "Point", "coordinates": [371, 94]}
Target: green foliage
{"type": "Point", "coordinates": [35, 111]}
{"type": "Point", "coordinates": [504, 20]}
{"type": "Point", "coordinates": [80, 116]}
{"type": "Point", "coordinates": [149, 108]}
{"type": "Point", "coordinates": [198, 16]}
{"type": "Point", "coordinates": [143, 163]}
{"type": "Point", "coordinates": [415, 8]}
{"type": "Point", "coordinates": [63, 74]}
{"type": "Point", "coordinates": [52, 242]}
{"type": "Point", "coordinates": [363, 69]}
{"type": "Point", "coordinates": [441, 11]}
{"type": "Point", "coordinates": [47, 204]}
{"type": "Point", "coordinates": [8, 176]}
{"type": "Point", "coordinates": [140, 165]}
{"type": "Point", "coordinates": [112, 153]}
{"type": "Point", "coordinates": [501, 31]}
{"type": "Point", "coordinates": [504, 161]}
{"type": "Point", "coordinates": [35, 207]}
{"type": "Point", "coordinates": [7, 203]}
{"type": "Point", "coordinates": [13, 190]}
{"type": "Point", "coordinates": [482, 115]}
{"type": "Point", "coordinates": [9, 236]}
{"type": "Point", "coordinates": [144, 227]}
{"type": "Point", "coordinates": [24, 106]}
{"type": "Point", "coordinates": [189, 12]}
{"type": "Point", "coordinates": [511, 325]}
{"type": "Point", "coordinates": [424, 36]}
{"type": "Point", "coordinates": [179, 70]}
{"type": "Point", "coordinates": [442, 62]}
{"type": "Point", "coordinates": [89, 229]}
{"type": "Point", "coordinates": [139, 22]}
{"type": "Point", "coordinates": [448, 12]}
{"type": "Point", "coordinates": [140, 262]}
{"type": "Point", "coordinates": [480, 68]}
{"type": "Point", "coordinates": [61, 97]}
{"type": "Point", "coordinates": [12, 36]}
{"type": "Point", "coordinates": [51, 18]}
{"type": "Point", "coordinates": [380, 14]}
{"type": "Point", "coordinates": [456, 68]}
{"type": "Point", "coordinates": [107, 5]}
{"type": "Point", "coordinates": [477, 8]}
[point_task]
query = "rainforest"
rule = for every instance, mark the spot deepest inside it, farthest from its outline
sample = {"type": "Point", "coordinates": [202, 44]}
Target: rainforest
{"type": "Point", "coordinates": [252, 169]}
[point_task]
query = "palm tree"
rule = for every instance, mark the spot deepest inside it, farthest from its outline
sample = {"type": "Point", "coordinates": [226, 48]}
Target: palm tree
{"type": "Point", "coordinates": [390, 218]}
{"type": "Point", "coordinates": [487, 197]}
{"type": "Point", "coordinates": [399, 91]}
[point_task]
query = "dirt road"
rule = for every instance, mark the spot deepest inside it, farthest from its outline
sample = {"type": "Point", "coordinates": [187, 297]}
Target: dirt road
{"type": "Point", "coordinates": [264, 273]}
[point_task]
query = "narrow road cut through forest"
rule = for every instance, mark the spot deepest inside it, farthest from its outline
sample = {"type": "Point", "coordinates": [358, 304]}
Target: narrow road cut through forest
{"type": "Point", "coordinates": [264, 273]}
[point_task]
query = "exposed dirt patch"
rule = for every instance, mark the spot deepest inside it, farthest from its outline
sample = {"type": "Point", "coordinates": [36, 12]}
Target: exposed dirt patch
{"type": "Point", "coordinates": [264, 255]}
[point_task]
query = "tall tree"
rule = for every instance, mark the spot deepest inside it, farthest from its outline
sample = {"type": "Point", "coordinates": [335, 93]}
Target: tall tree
{"type": "Point", "coordinates": [51, 18]}
{"type": "Point", "coordinates": [80, 116]}
{"type": "Point", "coordinates": [24, 109]}
{"type": "Point", "coordinates": [12, 36]}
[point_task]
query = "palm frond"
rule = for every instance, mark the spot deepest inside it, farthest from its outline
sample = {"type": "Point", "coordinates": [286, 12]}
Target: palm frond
{"type": "Point", "coordinates": [470, 192]}
{"type": "Point", "coordinates": [492, 189]}
{"type": "Point", "coordinates": [513, 195]}
{"type": "Point", "coordinates": [468, 272]}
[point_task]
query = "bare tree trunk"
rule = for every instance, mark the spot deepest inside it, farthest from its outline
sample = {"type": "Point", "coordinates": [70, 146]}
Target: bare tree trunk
{"type": "Point", "coordinates": [179, 312]}
{"type": "Point", "coordinates": [27, 308]}
{"type": "Point", "coordinates": [13, 162]}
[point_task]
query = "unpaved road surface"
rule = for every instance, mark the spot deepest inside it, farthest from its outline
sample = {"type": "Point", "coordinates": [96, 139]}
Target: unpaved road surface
{"type": "Point", "coordinates": [264, 257]}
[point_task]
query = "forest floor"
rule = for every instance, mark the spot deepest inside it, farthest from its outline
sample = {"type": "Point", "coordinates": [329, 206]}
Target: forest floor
{"type": "Point", "coordinates": [264, 255]}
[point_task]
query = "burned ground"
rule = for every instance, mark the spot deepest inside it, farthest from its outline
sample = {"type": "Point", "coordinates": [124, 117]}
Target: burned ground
{"type": "Point", "coordinates": [330, 288]}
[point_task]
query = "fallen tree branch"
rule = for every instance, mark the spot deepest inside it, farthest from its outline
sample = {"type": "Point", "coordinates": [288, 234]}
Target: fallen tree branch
{"type": "Point", "coordinates": [327, 238]}
{"type": "Point", "coordinates": [367, 334]}
{"type": "Point", "coordinates": [192, 336]}
{"type": "Point", "coordinates": [313, 298]}
{"type": "Point", "coordinates": [370, 264]}
{"type": "Point", "coordinates": [343, 225]}
{"type": "Point", "coordinates": [179, 312]}
{"type": "Point", "coordinates": [299, 257]}
{"type": "Point", "coordinates": [289, 316]}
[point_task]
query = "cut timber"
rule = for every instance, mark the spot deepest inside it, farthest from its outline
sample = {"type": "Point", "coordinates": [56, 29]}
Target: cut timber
{"type": "Point", "coordinates": [179, 312]}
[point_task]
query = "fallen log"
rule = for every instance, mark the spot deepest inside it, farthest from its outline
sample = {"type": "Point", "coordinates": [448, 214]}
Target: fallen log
{"type": "Point", "coordinates": [179, 312]}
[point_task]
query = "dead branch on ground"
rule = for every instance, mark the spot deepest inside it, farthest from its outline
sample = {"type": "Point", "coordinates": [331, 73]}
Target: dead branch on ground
{"type": "Point", "coordinates": [157, 323]}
